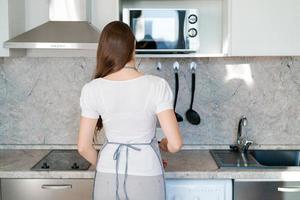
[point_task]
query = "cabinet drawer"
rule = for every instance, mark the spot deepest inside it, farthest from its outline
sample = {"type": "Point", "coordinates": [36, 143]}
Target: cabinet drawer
{"type": "Point", "coordinates": [46, 189]}
{"type": "Point", "coordinates": [263, 190]}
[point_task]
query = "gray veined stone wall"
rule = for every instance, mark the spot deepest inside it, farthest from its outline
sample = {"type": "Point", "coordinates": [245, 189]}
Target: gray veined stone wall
{"type": "Point", "coordinates": [39, 98]}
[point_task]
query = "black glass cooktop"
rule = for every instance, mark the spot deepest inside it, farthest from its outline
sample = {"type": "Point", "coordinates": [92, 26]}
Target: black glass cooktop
{"type": "Point", "coordinates": [61, 160]}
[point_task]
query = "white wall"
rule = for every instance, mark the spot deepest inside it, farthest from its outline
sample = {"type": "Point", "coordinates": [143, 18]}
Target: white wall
{"type": "Point", "coordinates": [36, 13]}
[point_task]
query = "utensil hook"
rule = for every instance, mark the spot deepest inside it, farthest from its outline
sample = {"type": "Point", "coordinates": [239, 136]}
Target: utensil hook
{"type": "Point", "coordinates": [193, 66]}
{"type": "Point", "coordinates": [176, 66]}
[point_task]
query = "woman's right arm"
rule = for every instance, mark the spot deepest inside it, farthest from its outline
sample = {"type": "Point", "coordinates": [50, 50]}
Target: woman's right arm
{"type": "Point", "coordinates": [173, 141]}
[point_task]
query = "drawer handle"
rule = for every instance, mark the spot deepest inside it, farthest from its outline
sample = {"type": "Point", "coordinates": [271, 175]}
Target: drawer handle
{"type": "Point", "coordinates": [57, 187]}
{"type": "Point", "coordinates": [289, 189]}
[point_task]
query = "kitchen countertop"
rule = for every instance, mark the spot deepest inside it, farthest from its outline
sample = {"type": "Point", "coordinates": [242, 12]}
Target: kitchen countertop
{"type": "Point", "coordinates": [184, 164]}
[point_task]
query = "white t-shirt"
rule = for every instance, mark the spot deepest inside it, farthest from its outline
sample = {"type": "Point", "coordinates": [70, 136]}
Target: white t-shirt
{"type": "Point", "coordinates": [128, 110]}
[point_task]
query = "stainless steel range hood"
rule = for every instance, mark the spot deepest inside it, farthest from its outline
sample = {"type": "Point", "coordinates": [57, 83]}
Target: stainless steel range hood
{"type": "Point", "coordinates": [69, 28]}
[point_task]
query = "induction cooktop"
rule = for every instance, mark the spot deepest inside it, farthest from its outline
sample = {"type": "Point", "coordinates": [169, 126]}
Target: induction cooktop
{"type": "Point", "coordinates": [61, 160]}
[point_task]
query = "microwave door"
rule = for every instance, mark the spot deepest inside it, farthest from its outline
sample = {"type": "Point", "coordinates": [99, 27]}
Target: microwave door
{"type": "Point", "coordinates": [155, 29]}
{"type": "Point", "coordinates": [159, 30]}
{"type": "Point", "coordinates": [142, 23]}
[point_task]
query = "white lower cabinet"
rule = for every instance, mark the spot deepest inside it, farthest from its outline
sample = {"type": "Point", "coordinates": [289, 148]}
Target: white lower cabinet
{"type": "Point", "coordinates": [193, 189]}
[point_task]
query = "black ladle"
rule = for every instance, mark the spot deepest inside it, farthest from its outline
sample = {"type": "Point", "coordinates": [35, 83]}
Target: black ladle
{"type": "Point", "coordinates": [191, 115]}
{"type": "Point", "coordinates": [178, 116]}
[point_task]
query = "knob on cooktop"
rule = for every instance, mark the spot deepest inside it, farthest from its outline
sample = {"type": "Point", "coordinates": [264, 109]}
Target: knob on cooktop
{"type": "Point", "coordinates": [45, 165]}
{"type": "Point", "coordinates": [75, 166]}
{"type": "Point", "coordinates": [192, 19]}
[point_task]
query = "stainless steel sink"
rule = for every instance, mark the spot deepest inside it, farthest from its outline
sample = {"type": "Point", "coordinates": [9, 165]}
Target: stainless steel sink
{"type": "Point", "coordinates": [257, 158]}
{"type": "Point", "coordinates": [277, 157]}
{"type": "Point", "coordinates": [229, 158]}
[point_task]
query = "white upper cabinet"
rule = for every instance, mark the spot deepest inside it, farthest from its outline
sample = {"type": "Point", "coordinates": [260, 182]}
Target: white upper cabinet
{"type": "Point", "coordinates": [4, 32]}
{"type": "Point", "coordinates": [264, 27]}
{"type": "Point", "coordinates": [12, 23]}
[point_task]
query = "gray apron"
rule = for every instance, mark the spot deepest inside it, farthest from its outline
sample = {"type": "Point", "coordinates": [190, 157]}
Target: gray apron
{"type": "Point", "coordinates": [116, 157]}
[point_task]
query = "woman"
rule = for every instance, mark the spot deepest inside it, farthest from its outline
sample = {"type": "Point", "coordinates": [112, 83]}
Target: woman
{"type": "Point", "coordinates": [128, 102]}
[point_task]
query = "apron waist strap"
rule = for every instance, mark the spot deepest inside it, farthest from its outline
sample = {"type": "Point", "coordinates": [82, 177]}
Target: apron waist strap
{"type": "Point", "coordinates": [116, 157]}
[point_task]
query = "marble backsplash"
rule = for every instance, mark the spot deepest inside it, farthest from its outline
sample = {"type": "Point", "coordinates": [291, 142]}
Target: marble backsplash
{"type": "Point", "coordinates": [39, 98]}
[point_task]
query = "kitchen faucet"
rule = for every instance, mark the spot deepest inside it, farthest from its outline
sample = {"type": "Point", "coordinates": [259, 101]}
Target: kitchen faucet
{"type": "Point", "coordinates": [243, 143]}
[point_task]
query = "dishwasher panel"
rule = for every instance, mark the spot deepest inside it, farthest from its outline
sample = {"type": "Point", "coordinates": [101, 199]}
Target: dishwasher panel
{"type": "Point", "coordinates": [46, 189]}
{"type": "Point", "coordinates": [266, 190]}
{"type": "Point", "coordinates": [193, 189]}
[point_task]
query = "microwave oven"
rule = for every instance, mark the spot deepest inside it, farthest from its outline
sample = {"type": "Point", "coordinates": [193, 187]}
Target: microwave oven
{"type": "Point", "coordinates": [164, 30]}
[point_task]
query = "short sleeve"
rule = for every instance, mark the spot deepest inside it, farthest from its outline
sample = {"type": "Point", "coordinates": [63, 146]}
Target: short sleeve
{"type": "Point", "coordinates": [164, 97]}
{"type": "Point", "coordinates": [87, 103]}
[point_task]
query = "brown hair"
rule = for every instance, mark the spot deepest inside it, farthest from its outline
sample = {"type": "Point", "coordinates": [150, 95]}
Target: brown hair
{"type": "Point", "coordinates": [115, 48]}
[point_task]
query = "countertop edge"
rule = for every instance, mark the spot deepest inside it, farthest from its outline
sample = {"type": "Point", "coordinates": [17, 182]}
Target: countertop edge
{"type": "Point", "coordinates": [269, 175]}
{"type": "Point", "coordinates": [193, 164]}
